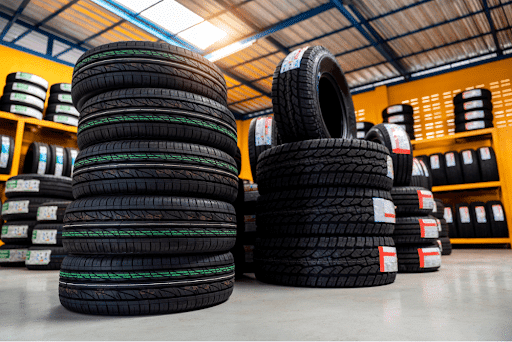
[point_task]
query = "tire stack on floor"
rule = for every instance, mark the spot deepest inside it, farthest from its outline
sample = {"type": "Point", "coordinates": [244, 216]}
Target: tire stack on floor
{"type": "Point", "coordinates": [25, 193]}
{"type": "Point", "coordinates": [152, 224]}
{"type": "Point", "coordinates": [24, 94]}
{"type": "Point", "coordinates": [60, 105]}
{"type": "Point", "coordinates": [362, 128]}
{"type": "Point", "coordinates": [324, 215]}
{"type": "Point", "coordinates": [47, 252]}
{"type": "Point", "coordinates": [48, 159]}
{"type": "Point", "coordinates": [401, 115]}
{"type": "Point", "coordinates": [473, 110]}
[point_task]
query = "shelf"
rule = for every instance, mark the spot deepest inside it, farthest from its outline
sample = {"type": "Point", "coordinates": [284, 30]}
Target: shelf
{"type": "Point", "coordinates": [469, 241]}
{"type": "Point", "coordinates": [462, 187]}
{"type": "Point", "coordinates": [36, 122]}
{"type": "Point", "coordinates": [4, 178]}
{"type": "Point", "coordinates": [471, 134]}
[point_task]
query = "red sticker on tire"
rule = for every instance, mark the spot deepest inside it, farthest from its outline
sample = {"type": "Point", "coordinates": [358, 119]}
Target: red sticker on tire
{"type": "Point", "coordinates": [429, 257]}
{"type": "Point", "coordinates": [425, 199]}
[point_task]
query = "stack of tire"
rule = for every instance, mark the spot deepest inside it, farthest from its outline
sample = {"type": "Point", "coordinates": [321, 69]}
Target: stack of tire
{"type": "Point", "coordinates": [25, 193]}
{"type": "Point", "coordinates": [401, 115]}
{"type": "Point", "coordinates": [444, 231]}
{"type": "Point", "coordinates": [324, 215]}
{"type": "Point", "coordinates": [24, 94]}
{"type": "Point", "coordinates": [152, 225]}
{"type": "Point", "coordinates": [60, 105]}
{"type": "Point", "coordinates": [362, 128]}
{"type": "Point", "coordinates": [473, 110]}
{"type": "Point", "coordinates": [48, 159]}
{"type": "Point", "coordinates": [6, 154]}
{"type": "Point", "coordinates": [47, 252]}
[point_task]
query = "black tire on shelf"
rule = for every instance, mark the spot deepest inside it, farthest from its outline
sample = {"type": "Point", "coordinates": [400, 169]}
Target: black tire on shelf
{"type": "Point", "coordinates": [13, 255]}
{"type": "Point", "coordinates": [72, 154]}
{"type": "Point", "coordinates": [438, 211]}
{"type": "Point", "coordinates": [449, 218]}
{"type": "Point", "coordinates": [48, 257]}
{"type": "Point", "coordinates": [60, 98]}
{"type": "Point", "coordinates": [453, 167]}
{"type": "Point", "coordinates": [428, 174]}
{"type": "Point", "coordinates": [26, 88]}
{"type": "Point", "coordinates": [324, 162]}
{"type": "Point", "coordinates": [28, 78]}
{"type": "Point", "coordinates": [52, 211]}
{"type": "Point", "coordinates": [34, 185]}
{"type": "Point", "coordinates": [65, 119]}
{"type": "Point", "coordinates": [438, 168]}
{"type": "Point", "coordinates": [488, 164]}
{"type": "Point", "coordinates": [325, 261]}
{"type": "Point", "coordinates": [401, 119]}
{"type": "Point", "coordinates": [470, 166]}
{"type": "Point", "coordinates": [38, 159]}
{"type": "Point", "coordinates": [498, 219]}
{"type": "Point", "coordinates": [400, 149]}
{"type": "Point", "coordinates": [418, 177]}
{"type": "Point", "coordinates": [447, 246]}
{"type": "Point", "coordinates": [311, 98]}
{"type": "Point", "coordinates": [17, 232]}
{"type": "Point", "coordinates": [481, 222]}
{"type": "Point", "coordinates": [415, 230]}
{"type": "Point", "coordinates": [481, 114]}
{"type": "Point", "coordinates": [148, 225]}
{"type": "Point", "coordinates": [465, 225]}
{"type": "Point", "coordinates": [473, 125]}
{"type": "Point", "coordinates": [418, 258]}
{"type": "Point", "coordinates": [142, 285]}
{"type": "Point", "coordinates": [14, 108]}
{"type": "Point", "coordinates": [60, 88]}
{"type": "Point", "coordinates": [262, 136]}
{"type": "Point", "coordinates": [445, 229]}
{"type": "Point", "coordinates": [61, 109]}
{"type": "Point", "coordinates": [142, 64]}
{"type": "Point", "coordinates": [6, 154]}
{"type": "Point", "coordinates": [473, 105]}
{"type": "Point", "coordinates": [22, 100]}
{"type": "Point", "coordinates": [471, 95]}
{"type": "Point", "coordinates": [47, 234]}
{"type": "Point", "coordinates": [24, 208]}
{"type": "Point", "coordinates": [59, 161]}
{"type": "Point", "coordinates": [410, 200]}
{"type": "Point", "coordinates": [396, 110]}
{"type": "Point", "coordinates": [364, 125]}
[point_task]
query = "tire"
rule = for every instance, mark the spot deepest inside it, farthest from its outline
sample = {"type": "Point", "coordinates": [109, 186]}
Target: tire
{"type": "Point", "coordinates": [13, 255]}
{"type": "Point", "coordinates": [24, 208]}
{"type": "Point", "coordinates": [60, 98]}
{"type": "Point", "coordinates": [41, 258]}
{"type": "Point", "coordinates": [312, 100]}
{"type": "Point", "coordinates": [448, 217]}
{"type": "Point", "coordinates": [438, 211]}
{"type": "Point", "coordinates": [470, 166]}
{"type": "Point", "coordinates": [142, 285]}
{"type": "Point", "coordinates": [28, 78]}
{"type": "Point", "coordinates": [326, 212]}
{"type": "Point", "coordinates": [401, 119]}
{"type": "Point", "coordinates": [47, 234]}
{"type": "Point", "coordinates": [38, 159]}
{"type": "Point", "coordinates": [453, 168]}
{"type": "Point", "coordinates": [488, 164]}
{"type": "Point", "coordinates": [418, 177]}
{"type": "Point", "coordinates": [145, 65]}
{"type": "Point", "coordinates": [473, 115]}
{"type": "Point", "coordinates": [14, 108]}
{"type": "Point", "coordinates": [472, 105]}
{"type": "Point", "coordinates": [396, 110]}
{"type": "Point", "coordinates": [157, 168]}
{"type": "Point", "coordinates": [262, 136]}
{"type": "Point", "coordinates": [25, 88]}
{"type": "Point", "coordinates": [445, 229]}
{"type": "Point", "coordinates": [62, 109]}
{"type": "Point", "coordinates": [438, 168]}
{"type": "Point", "coordinates": [34, 185]}
{"type": "Point", "coordinates": [473, 125]}
{"type": "Point", "coordinates": [60, 88]}
{"type": "Point", "coordinates": [324, 163]}
{"type": "Point", "coordinates": [52, 211]}
{"type": "Point", "coordinates": [471, 95]}
{"type": "Point", "coordinates": [416, 230]}
{"type": "Point", "coordinates": [481, 222]}
{"type": "Point", "coordinates": [157, 114]}
{"type": "Point", "coordinates": [69, 120]}
{"type": "Point", "coordinates": [6, 154]}
{"type": "Point", "coordinates": [498, 219]}
{"type": "Point", "coordinates": [22, 100]}
{"type": "Point", "coordinates": [410, 200]}
{"type": "Point", "coordinates": [17, 232]}
{"type": "Point", "coordinates": [238, 160]}
{"type": "Point", "coordinates": [410, 259]}
{"type": "Point", "coordinates": [465, 224]}
{"type": "Point", "coordinates": [72, 154]}
{"type": "Point", "coordinates": [148, 225]}
{"type": "Point", "coordinates": [59, 160]}
{"type": "Point", "coordinates": [428, 174]}
{"type": "Point", "coordinates": [400, 149]}
{"type": "Point", "coordinates": [364, 125]}
{"type": "Point", "coordinates": [447, 246]}
{"type": "Point", "coordinates": [323, 261]}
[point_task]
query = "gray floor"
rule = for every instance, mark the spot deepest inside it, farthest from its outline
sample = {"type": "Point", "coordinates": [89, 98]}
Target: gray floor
{"type": "Point", "coordinates": [470, 298]}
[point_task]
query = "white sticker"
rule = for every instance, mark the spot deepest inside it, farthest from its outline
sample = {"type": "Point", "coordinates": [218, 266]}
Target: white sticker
{"type": "Point", "coordinates": [74, 153]}
{"type": "Point", "coordinates": [440, 244]}
{"type": "Point", "coordinates": [292, 61]}
{"type": "Point", "coordinates": [65, 109]}
{"type": "Point", "coordinates": [391, 172]}
{"type": "Point", "coordinates": [64, 98]}
{"type": "Point", "coordinates": [383, 210]}
{"type": "Point", "coordinates": [32, 78]}
{"type": "Point", "coordinates": [15, 207]}
{"type": "Point", "coordinates": [425, 168]}
{"type": "Point", "coordinates": [19, 97]}
{"type": "Point", "coordinates": [388, 259]}
{"type": "Point", "coordinates": [59, 161]}
{"type": "Point", "coordinates": [4, 155]}
{"type": "Point", "coordinates": [473, 104]}
{"type": "Point", "coordinates": [361, 134]}
{"type": "Point", "coordinates": [448, 215]}
{"type": "Point", "coordinates": [44, 237]}
{"type": "Point", "coordinates": [439, 225]}
{"type": "Point", "coordinates": [395, 109]}
{"type": "Point", "coordinates": [480, 214]}
{"type": "Point", "coordinates": [434, 210]}
{"type": "Point", "coordinates": [450, 159]}
{"type": "Point", "coordinates": [474, 125]}
{"type": "Point", "coordinates": [47, 213]}
{"type": "Point", "coordinates": [485, 153]}
{"type": "Point", "coordinates": [29, 89]}
{"type": "Point", "coordinates": [65, 120]}
{"type": "Point", "coordinates": [434, 162]}
{"type": "Point", "coordinates": [476, 114]}
{"type": "Point", "coordinates": [471, 93]}
{"type": "Point", "coordinates": [22, 185]}
{"type": "Point", "coordinates": [429, 257]}
{"type": "Point", "coordinates": [65, 87]}
{"type": "Point", "coordinates": [38, 257]}
{"type": "Point", "coordinates": [360, 125]}
{"type": "Point", "coordinates": [396, 118]}
{"type": "Point", "coordinates": [497, 212]}
{"type": "Point", "coordinates": [464, 215]}
{"type": "Point", "coordinates": [399, 140]}
{"type": "Point", "coordinates": [467, 157]}
{"type": "Point", "coordinates": [27, 111]}
{"type": "Point", "coordinates": [262, 132]}
{"type": "Point", "coordinates": [428, 228]}
{"type": "Point", "coordinates": [13, 255]}
{"type": "Point", "coordinates": [14, 231]}
{"type": "Point", "coordinates": [425, 199]}
{"type": "Point", "coordinates": [43, 158]}
{"type": "Point", "coordinates": [416, 171]}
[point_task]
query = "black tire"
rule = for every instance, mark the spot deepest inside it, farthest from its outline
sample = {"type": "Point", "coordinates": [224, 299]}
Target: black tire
{"type": "Point", "coordinates": [27, 78]}
{"type": "Point", "coordinates": [47, 234]}
{"type": "Point", "coordinates": [142, 285]}
{"type": "Point", "coordinates": [396, 110]}
{"type": "Point", "coordinates": [17, 232]}
{"type": "Point", "coordinates": [471, 95]}
{"type": "Point", "coordinates": [400, 148]}
{"type": "Point", "coordinates": [481, 222]}
{"type": "Point", "coordinates": [22, 100]}
{"type": "Point", "coordinates": [473, 125]}
{"type": "Point", "coordinates": [465, 224]}
{"type": "Point", "coordinates": [59, 160]}
{"type": "Point", "coordinates": [262, 136]}
{"type": "Point", "coordinates": [155, 167]}
{"type": "Point", "coordinates": [445, 229]}
{"type": "Point", "coordinates": [498, 219]}
{"type": "Point", "coordinates": [449, 218]}
{"type": "Point", "coordinates": [61, 109]}
{"type": "Point", "coordinates": [6, 154]}
{"type": "Point", "coordinates": [472, 105]}
{"type": "Point", "coordinates": [453, 167]}
{"type": "Point", "coordinates": [326, 212]}
{"type": "Point", "coordinates": [21, 110]}
{"type": "Point", "coordinates": [148, 225]}
{"type": "Point", "coordinates": [470, 166]}
{"type": "Point", "coordinates": [312, 100]}
{"type": "Point", "coordinates": [488, 164]}
{"type": "Point", "coordinates": [60, 98]}
{"type": "Point", "coordinates": [323, 261]}
{"type": "Point", "coordinates": [410, 200]}
{"type": "Point", "coordinates": [411, 261]}
{"type": "Point", "coordinates": [25, 88]}
{"type": "Point", "coordinates": [156, 114]}
{"type": "Point", "coordinates": [416, 230]}
{"type": "Point", "coordinates": [418, 177]}
{"type": "Point", "coordinates": [447, 246]}
{"type": "Point", "coordinates": [473, 115]}
{"type": "Point", "coordinates": [324, 162]}
{"type": "Point", "coordinates": [60, 88]}
{"type": "Point", "coordinates": [38, 159]}
{"type": "Point", "coordinates": [52, 211]}
{"type": "Point", "coordinates": [142, 64]}
{"type": "Point", "coordinates": [24, 208]}
{"type": "Point", "coordinates": [238, 160]}
{"type": "Point", "coordinates": [428, 174]}
{"type": "Point", "coordinates": [48, 257]}
{"type": "Point", "coordinates": [13, 255]}
{"type": "Point", "coordinates": [438, 211]}
{"type": "Point", "coordinates": [401, 119]}
{"type": "Point", "coordinates": [364, 125]}
{"type": "Point", "coordinates": [29, 185]}
{"type": "Point", "coordinates": [72, 154]}
{"type": "Point", "coordinates": [70, 120]}
{"type": "Point", "coordinates": [438, 168]}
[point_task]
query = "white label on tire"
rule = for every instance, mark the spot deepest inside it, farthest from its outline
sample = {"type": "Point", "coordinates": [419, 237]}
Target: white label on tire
{"type": "Point", "coordinates": [360, 125]}
{"type": "Point", "coordinates": [64, 98]}
{"type": "Point", "coordinates": [473, 104]}
{"type": "Point", "coordinates": [292, 61]}
{"type": "Point", "coordinates": [434, 210]}
{"type": "Point", "coordinates": [480, 214]}
{"type": "Point", "coordinates": [15, 207]}
{"type": "Point", "coordinates": [59, 161]}
{"type": "Point", "coordinates": [13, 255]}
{"type": "Point", "coordinates": [471, 93]}
{"type": "Point", "coordinates": [395, 109]}
{"type": "Point", "coordinates": [425, 168]}
{"type": "Point", "coordinates": [65, 87]}
{"type": "Point", "coordinates": [464, 215]}
{"type": "Point", "coordinates": [485, 153]}
{"type": "Point", "coordinates": [19, 97]}
{"type": "Point", "coordinates": [450, 159]}
{"type": "Point", "coordinates": [434, 162]}
{"type": "Point", "coordinates": [391, 172]}
{"type": "Point", "coordinates": [28, 185]}
{"type": "Point", "coordinates": [27, 111]}
{"type": "Point", "coordinates": [448, 215]}
{"type": "Point", "coordinates": [497, 212]}
{"type": "Point", "coordinates": [383, 210]}
{"type": "Point", "coordinates": [425, 199]}
{"type": "Point", "coordinates": [14, 231]}
{"type": "Point", "coordinates": [399, 140]}
{"type": "Point", "coordinates": [65, 120]}
{"type": "Point", "coordinates": [467, 157]}
{"type": "Point", "coordinates": [428, 228]}
{"type": "Point", "coordinates": [38, 257]}
{"type": "Point", "coordinates": [416, 168]}
{"type": "Point", "coordinates": [388, 259]}
{"type": "Point", "coordinates": [440, 244]}
{"type": "Point", "coordinates": [32, 78]}
{"type": "Point", "coordinates": [44, 237]}
{"type": "Point", "coordinates": [361, 134]}
{"type": "Point", "coordinates": [262, 132]}
{"type": "Point", "coordinates": [43, 158]}
{"type": "Point", "coordinates": [396, 118]}
{"type": "Point", "coordinates": [439, 226]}
{"type": "Point", "coordinates": [476, 114]}
{"type": "Point", "coordinates": [74, 153]}
{"type": "Point", "coordinates": [429, 257]}
{"type": "Point", "coordinates": [64, 109]}
{"type": "Point", "coordinates": [4, 155]}
{"type": "Point", "coordinates": [47, 213]}
{"type": "Point", "coordinates": [29, 89]}
{"type": "Point", "coordinates": [474, 125]}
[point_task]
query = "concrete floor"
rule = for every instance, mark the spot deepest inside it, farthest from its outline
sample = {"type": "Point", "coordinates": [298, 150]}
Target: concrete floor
{"type": "Point", "coordinates": [470, 298]}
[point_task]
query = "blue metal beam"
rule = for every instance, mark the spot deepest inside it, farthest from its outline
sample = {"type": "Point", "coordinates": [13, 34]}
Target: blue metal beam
{"type": "Point", "coordinates": [7, 27]}
{"type": "Point", "coordinates": [493, 28]}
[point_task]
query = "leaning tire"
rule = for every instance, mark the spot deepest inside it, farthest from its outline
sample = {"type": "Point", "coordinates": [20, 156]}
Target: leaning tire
{"type": "Point", "coordinates": [6, 154]}
{"type": "Point", "coordinates": [38, 159]}
{"type": "Point", "coordinates": [38, 186]}
{"type": "Point", "coordinates": [488, 164]}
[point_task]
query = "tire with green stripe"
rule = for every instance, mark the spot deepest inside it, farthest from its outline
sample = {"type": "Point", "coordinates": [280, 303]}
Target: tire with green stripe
{"type": "Point", "coordinates": [145, 285]}
{"type": "Point", "coordinates": [152, 114]}
{"type": "Point", "coordinates": [148, 225]}
{"type": "Point", "coordinates": [157, 168]}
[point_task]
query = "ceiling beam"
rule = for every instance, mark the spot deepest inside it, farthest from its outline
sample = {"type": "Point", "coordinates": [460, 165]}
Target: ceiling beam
{"type": "Point", "coordinates": [493, 28]}
{"type": "Point", "coordinates": [15, 17]}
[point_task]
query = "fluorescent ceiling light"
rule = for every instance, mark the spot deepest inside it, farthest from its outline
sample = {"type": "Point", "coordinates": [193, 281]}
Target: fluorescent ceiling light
{"type": "Point", "coordinates": [228, 50]}
{"type": "Point", "coordinates": [203, 35]}
{"type": "Point", "coordinates": [172, 16]}
{"type": "Point", "coordinates": [137, 5]}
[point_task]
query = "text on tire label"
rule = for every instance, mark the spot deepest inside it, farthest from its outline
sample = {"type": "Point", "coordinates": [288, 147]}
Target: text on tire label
{"type": "Point", "coordinates": [450, 159]}
{"type": "Point", "coordinates": [14, 231]}
{"type": "Point", "coordinates": [473, 104]}
{"type": "Point", "coordinates": [4, 155]}
{"type": "Point", "coordinates": [464, 215]}
{"type": "Point", "coordinates": [475, 125]}
{"type": "Point", "coordinates": [497, 212]}
{"type": "Point", "coordinates": [43, 157]}
{"type": "Point", "coordinates": [476, 114]}
{"type": "Point", "coordinates": [448, 215]}
{"type": "Point", "coordinates": [41, 257]}
{"type": "Point", "coordinates": [292, 61]}
{"type": "Point", "coordinates": [480, 214]}
{"type": "Point", "coordinates": [425, 199]}
{"type": "Point", "coordinates": [383, 210]}
{"type": "Point", "coordinates": [429, 257]}
{"type": "Point", "coordinates": [395, 109]}
{"type": "Point", "coordinates": [485, 153]}
{"type": "Point", "coordinates": [15, 207]}
{"type": "Point", "coordinates": [428, 228]}
{"type": "Point", "coordinates": [434, 162]}
{"type": "Point", "coordinates": [388, 259]}
{"type": "Point", "coordinates": [44, 237]}
{"type": "Point", "coordinates": [24, 185]}
{"type": "Point", "coordinates": [467, 156]}
{"type": "Point", "coordinates": [47, 213]}
{"type": "Point", "coordinates": [263, 131]}
{"type": "Point", "coordinates": [13, 255]}
{"type": "Point", "coordinates": [24, 110]}
{"type": "Point", "coordinates": [471, 93]}
{"type": "Point", "coordinates": [399, 140]}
